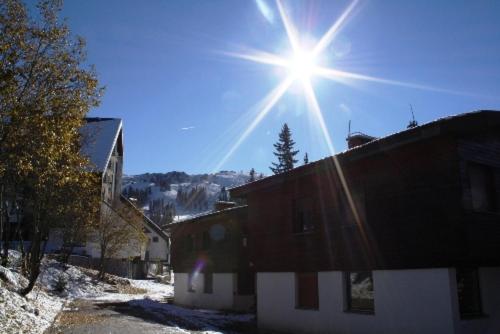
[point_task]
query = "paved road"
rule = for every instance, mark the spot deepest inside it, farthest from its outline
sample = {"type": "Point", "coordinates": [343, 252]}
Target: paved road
{"type": "Point", "coordinates": [119, 317]}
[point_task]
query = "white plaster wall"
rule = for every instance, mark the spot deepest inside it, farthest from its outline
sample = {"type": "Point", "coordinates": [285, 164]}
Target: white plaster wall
{"type": "Point", "coordinates": [222, 297]}
{"type": "Point", "coordinates": [489, 285]}
{"type": "Point", "coordinates": [406, 301]}
{"type": "Point", "coordinates": [158, 251]}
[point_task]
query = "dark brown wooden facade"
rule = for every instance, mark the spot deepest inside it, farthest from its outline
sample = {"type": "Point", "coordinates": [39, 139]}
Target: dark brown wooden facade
{"type": "Point", "coordinates": [217, 240]}
{"type": "Point", "coordinates": [412, 198]}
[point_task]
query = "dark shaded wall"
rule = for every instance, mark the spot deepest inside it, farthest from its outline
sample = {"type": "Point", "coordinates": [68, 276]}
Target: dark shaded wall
{"type": "Point", "coordinates": [225, 250]}
{"type": "Point", "coordinates": [411, 199]}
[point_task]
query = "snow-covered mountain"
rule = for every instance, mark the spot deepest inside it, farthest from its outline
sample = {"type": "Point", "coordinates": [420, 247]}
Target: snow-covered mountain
{"type": "Point", "coordinates": [178, 194]}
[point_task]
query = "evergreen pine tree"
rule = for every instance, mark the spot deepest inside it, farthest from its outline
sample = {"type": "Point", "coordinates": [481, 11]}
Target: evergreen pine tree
{"type": "Point", "coordinates": [306, 159]}
{"type": "Point", "coordinates": [252, 175]}
{"type": "Point", "coordinates": [284, 151]}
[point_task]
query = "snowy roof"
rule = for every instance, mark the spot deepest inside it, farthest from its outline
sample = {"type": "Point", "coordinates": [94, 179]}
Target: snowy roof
{"type": "Point", "coordinates": [99, 138]}
{"type": "Point", "coordinates": [207, 214]}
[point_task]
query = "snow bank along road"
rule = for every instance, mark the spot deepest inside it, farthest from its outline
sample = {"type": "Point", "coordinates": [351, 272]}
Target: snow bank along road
{"type": "Point", "coordinates": [145, 313]}
{"type": "Point", "coordinates": [84, 305]}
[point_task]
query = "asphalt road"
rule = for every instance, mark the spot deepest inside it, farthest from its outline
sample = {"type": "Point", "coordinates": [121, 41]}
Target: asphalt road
{"type": "Point", "coordinates": [121, 317]}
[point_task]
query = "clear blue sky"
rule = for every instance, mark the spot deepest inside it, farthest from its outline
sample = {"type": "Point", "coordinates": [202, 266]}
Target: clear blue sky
{"type": "Point", "coordinates": [184, 103]}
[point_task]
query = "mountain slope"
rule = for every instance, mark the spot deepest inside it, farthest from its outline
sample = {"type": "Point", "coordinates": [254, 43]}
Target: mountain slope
{"type": "Point", "coordinates": [164, 196]}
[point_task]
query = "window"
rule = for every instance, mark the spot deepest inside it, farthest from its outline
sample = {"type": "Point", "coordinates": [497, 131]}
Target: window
{"type": "Point", "coordinates": [484, 187]}
{"type": "Point", "coordinates": [469, 298]}
{"type": "Point", "coordinates": [302, 215]}
{"type": "Point", "coordinates": [206, 240]}
{"type": "Point", "coordinates": [359, 291]}
{"type": "Point", "coordinates": [306, 287]}
{"type": "Point", "coordinates": [245, 283]}
{"type": "Point", "coordinates": [190, 283]}
{"type": "Point", "coordinates": [155, 239]}
{"type": "Point", "coordinates": [189, 243]}
{"type": "Point", "coordinates": [208, 282]}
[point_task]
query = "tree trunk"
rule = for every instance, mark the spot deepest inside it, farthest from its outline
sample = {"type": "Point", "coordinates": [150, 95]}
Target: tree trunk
{"type": "Point", "coordinates": [102, 264]}
{"type": "Point", "coordinates": [34, 262]}
{"type": "Point", "coordinates": [6, 228]}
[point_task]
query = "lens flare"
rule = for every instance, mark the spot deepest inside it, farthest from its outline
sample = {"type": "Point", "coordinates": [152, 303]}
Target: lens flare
{"type": "Point", "coordinates": [302, 65]}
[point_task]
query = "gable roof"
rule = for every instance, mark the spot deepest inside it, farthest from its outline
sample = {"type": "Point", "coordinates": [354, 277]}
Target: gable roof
{"type": "Point", "coordinates": [147, 222]}
{"type": "Point", "coordinates": [99, 137]}
{"type": "Point", "coordinates": [469, 122]}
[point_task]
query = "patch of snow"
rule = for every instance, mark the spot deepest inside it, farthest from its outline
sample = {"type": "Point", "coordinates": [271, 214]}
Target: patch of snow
{"type": "Point", "coordinates": [78, 284]}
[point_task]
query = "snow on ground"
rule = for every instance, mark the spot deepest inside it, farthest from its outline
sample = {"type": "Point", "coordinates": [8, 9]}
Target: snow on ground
{"type": "Point", "coordinates": [18, 314]}
{"type": "Point", "coordinates": [36, 312]}
{"type": "Point", "coordinates": [152, 290]}
{"type": "Point", "coordinates": [32, 314]}
{"type": "Point", "coordinates": [207, 321]}
{"type": "Point", "coordinates": [78, 284]}
{"type": "Point", "coordinates": [156, 300]}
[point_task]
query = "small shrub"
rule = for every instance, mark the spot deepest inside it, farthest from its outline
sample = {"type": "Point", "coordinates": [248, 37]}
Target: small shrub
{"type": "Point", "coordinates": [61, 283]}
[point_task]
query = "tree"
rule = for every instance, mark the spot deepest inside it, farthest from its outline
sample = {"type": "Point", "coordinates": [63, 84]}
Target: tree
{"type": "Point", "coordinates": [252, 175]}
{"type": "Point", "coordinates": [79, 218]}
{"type": "Point", "coordinates": [45, 94]}
{"type": "Point", "coordinates": [306, 159]}
{"type": "Point", "coordinates": [223, 195]}
{"type": "Point", "coordinates": [284, 151]}
{"type": "Point", "coordinates": [120, 228]}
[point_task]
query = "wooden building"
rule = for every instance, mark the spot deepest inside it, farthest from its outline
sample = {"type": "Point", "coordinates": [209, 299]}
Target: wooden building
{"type": "Point", "coordinates": [397, 235]}
{"type": "Point", "coordinates": [210, 261]}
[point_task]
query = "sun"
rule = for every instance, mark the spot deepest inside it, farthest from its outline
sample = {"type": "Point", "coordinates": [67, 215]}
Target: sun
{"type": "Point", "coordinates": [301, 65]}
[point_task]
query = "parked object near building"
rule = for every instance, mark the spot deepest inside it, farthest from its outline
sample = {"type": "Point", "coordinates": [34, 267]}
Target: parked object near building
{"type": "Point", "coordinates": [210, 261]}
{"type": "Point", "coordinates": [397, 235]}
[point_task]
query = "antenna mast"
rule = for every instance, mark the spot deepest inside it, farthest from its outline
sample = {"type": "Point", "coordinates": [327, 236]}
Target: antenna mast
{"type": "Point", "coordinates": [413, 123]}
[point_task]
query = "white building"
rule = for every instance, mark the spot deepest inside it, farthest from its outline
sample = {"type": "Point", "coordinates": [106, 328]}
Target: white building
{"type": "Point", "coordinates": [103, 144]}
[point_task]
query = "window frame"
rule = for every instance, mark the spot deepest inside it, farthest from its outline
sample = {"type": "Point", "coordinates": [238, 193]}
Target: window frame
{"type": "Point", "coordinates": [302, 224]}
{"type": "Point", "coordinates": [189, 241]}
{"type": "Point", "coordinates": [205, 240]}
{"type": "Point", "coordinates": [207, 274]}
{"type": "Point", "coordinates": [190, 283]}
{"type": "Point", "coordinates": [348, 294]}
{"type": "Point", "coordinates": [299, 304]}
{"type": "Point", "coordinates": [477, 294]}
{"type": "Point", "coordinates": [489, 176]}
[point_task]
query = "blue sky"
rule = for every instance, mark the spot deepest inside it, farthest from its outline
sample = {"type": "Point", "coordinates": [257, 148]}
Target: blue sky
{"type": "Point", "coordinates": [184, 102]}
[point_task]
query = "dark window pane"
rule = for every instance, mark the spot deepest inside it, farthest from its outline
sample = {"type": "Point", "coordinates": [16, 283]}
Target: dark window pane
{"type": "Point", "coordinates": [208, 279]}
{"type": "Point", "coordinates": [189, 243]}
{"type": "Point", "coordinates": [190, 283]}
{"type": "Point", "coordinates": [469, 298]}
{"type": "Point", "coordinates": [360, 295]}
{"type": "Point", "coordinates": [246, 283]}
{"type": "Point", "coordinates": [307, 290]}
{"type": "Point", "coordinates": [206, 240]}
{"type": "Point", "coordinates": [302, 215]}
{"type": "Point", "coordinates": [483, 187]}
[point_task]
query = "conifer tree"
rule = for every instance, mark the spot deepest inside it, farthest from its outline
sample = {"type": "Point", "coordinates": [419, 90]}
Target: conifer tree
{"type": "Point", "coordinates": [306, 159]}
{"type": "Point", "coordinates": [284, 151]}
{"type": "Point", "coordinates": [252, 175]}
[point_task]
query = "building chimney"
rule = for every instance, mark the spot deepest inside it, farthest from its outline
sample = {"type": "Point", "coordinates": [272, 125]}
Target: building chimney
{"type": "Point", "coordinates": [357, 139]}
